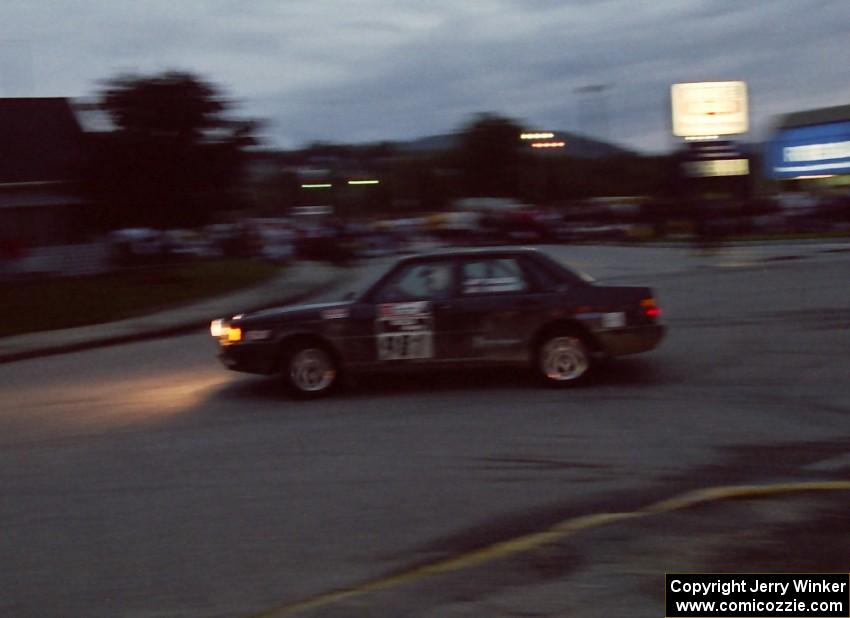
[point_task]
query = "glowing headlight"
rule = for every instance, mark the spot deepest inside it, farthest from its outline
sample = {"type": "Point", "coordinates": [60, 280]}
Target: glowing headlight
{"type": "Point", "coordinates": [217, 328]}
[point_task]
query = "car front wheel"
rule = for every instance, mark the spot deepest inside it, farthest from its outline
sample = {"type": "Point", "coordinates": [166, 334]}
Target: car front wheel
{"type": "Point", "coordinates": [310, 370]}
{"type": "Point", "coordinates": [564, 359]}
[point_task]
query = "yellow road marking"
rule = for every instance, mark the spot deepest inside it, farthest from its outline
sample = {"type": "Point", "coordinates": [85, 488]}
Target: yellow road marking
{"type": "Point", "coordinates": [561, 530]}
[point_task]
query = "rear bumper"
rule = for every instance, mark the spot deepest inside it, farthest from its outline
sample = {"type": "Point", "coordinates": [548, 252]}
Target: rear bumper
{"type": "Point", "coordinates": [249, 357]}
{"type": "Point", "coordinates": [630, 340]}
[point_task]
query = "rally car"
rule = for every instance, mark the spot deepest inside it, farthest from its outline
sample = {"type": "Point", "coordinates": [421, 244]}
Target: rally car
{"type": "Point", "coordinates": [473, 307]}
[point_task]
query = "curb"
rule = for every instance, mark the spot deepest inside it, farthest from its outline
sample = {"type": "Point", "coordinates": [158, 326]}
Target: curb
{"type": "Point", "coordinates": [534, 540]}
{"type": "Point", "coordinates": [160, 332]}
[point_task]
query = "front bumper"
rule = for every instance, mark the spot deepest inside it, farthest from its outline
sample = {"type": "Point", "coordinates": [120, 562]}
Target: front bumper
{"type": "Point", "coordinates": [259, 358]}
{"type": "Point", "coordinates": [631, 340]}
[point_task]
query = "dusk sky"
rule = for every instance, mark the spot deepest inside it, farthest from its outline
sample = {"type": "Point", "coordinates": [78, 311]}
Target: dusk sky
{"type": "Point", "coordinates": [369, 70]}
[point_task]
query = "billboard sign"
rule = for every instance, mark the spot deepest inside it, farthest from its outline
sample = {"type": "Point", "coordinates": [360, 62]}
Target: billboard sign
{"type": "Point", "coordinates": [717, 167]}
{"type": "Point", "coordinates": [703, 159]}
{"type": "Point", "coordinates": [702, 109]}
{"type": "Point", "coordinates": [813, 150]}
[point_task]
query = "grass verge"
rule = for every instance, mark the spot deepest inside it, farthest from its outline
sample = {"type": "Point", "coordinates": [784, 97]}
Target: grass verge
{"type": "Point", "coordinates": [53, 303]}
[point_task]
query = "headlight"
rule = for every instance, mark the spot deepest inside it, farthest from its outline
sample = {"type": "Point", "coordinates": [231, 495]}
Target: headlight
{"type": "Point", "coordinates": [226, 332]}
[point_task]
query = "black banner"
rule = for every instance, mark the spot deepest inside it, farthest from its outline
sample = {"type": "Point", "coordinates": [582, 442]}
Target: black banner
{"type": "Point", "coordinates": [757, 595]}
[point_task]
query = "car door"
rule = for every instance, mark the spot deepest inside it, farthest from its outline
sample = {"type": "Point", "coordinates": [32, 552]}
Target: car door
{"type": "Point", "coordinates": [409, 323]}
{"type": "Point", "coordinates": [497, 308]}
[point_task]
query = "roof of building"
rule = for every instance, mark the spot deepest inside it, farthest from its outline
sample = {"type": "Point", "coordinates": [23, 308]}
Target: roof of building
{"type": "Point", "coordinates": [38, 194]}
{"type": "Point", "coordinates": [824, 115]}
{"type": "Point", "coordinates": [42, 140]}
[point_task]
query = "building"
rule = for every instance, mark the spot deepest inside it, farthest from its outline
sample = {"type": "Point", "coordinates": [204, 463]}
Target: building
{"type": "Point", "coordinates": [41, 170]}
{"type": "Point", "coordinates": [811, 148]}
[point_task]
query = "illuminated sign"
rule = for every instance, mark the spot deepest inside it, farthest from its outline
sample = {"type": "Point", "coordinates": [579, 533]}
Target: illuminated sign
{"type": "Point", "coordinates": [541, 135]}
{"type": "Point", "coordinates": [816, 152]}
{"type": "Point", "coordinates": [709, 108]}
{"type": "Point", "coordinates": [810, 151]}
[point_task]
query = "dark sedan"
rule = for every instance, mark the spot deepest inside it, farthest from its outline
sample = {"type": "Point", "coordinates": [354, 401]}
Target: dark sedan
{"type": "Point", "coordinates": [449, 309]}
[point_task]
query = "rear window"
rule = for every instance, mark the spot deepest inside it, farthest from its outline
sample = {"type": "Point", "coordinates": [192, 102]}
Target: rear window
{"type": "Point", "coordinates": [554, 272]}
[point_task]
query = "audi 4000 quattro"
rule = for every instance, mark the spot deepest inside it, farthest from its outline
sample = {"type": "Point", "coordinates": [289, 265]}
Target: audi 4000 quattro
{"type": "Point", "coordinates": [458, 308]}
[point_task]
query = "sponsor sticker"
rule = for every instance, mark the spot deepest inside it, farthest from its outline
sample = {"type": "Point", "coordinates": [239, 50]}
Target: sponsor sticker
{"type": "Point", "coordinates": [614, 320]}
{"type": "Point", "coordinates": [335, 314]}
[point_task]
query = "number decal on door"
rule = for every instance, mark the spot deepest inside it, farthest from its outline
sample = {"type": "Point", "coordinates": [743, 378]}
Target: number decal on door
{"type": "Point", "coordinates": [405, 331]}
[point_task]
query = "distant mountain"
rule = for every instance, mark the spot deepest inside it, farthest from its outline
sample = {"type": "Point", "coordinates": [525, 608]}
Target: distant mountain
{"type": "Point", "coordinates": [589, 148]}
{"type": "Point", "coordinates": [576, 145]}
{"type": "Point", "coordinates": [432, 143]}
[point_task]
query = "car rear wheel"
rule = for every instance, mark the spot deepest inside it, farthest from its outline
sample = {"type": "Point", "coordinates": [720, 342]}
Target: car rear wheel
{"type": "Point", "coordinates": [310, 370]}
{"type": "Point", "coordinates": [564, 359]}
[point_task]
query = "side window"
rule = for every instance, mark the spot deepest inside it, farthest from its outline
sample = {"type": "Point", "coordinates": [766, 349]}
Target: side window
{"type": "Point", "coordinates": [427, 281]}
{"type": "Point", "coordinates": [494, 275]}
{"type": "Point", "coordinates": [543, 278]}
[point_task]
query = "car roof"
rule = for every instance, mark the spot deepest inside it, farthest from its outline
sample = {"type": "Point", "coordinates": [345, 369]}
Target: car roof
{"type": "Point", "coordinates": [474, 252]}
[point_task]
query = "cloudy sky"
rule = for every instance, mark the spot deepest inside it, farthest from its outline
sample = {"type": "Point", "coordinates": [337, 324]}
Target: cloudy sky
{"type": "Point", "coordinates": [363, 70]}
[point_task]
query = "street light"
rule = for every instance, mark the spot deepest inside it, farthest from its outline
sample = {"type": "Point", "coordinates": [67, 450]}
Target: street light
{"type": "Point", "coordinates": [538, 135]}
{"type": "Point", "coordinates": [548, 144]}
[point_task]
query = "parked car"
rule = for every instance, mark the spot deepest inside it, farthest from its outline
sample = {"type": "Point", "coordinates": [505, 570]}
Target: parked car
{"type": "Point", "coordinates": [449, 309]}
{"type": "Point", "coordinates": [187, 244]}
{"type": "Point", "coordinates": [276, 239]}
{"type": "Point", "coordinates": [135, 246]}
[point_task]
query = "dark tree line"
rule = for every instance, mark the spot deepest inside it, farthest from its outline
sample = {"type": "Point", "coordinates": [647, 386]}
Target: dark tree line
{"type": "Point", "coordinates": [490, 160]}
{"type": "Point", "coordinates": [174, 158]}
{"type": "Point", "coordinates": [177, 157]}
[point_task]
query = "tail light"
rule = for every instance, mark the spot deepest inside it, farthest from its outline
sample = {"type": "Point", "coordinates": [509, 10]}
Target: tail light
{"type": "Point", "coordinates": [650, 308]}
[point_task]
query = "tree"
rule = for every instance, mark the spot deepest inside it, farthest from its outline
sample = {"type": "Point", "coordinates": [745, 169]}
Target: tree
{"type": "Point", "coordinates": [174, 158]}
{"type": "Point", "coordinates": [490, 156]}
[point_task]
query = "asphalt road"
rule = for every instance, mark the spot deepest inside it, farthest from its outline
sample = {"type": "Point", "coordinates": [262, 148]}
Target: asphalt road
{"type": "Point", "coordinates": [145, 480]}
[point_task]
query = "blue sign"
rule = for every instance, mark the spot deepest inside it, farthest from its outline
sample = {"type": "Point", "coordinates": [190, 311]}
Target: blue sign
{"type": "Point", "coordinates": [814, 150]}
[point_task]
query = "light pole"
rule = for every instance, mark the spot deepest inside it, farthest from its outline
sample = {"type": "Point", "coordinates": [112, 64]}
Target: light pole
{"type": "Point", "coordinates": [593, 109]}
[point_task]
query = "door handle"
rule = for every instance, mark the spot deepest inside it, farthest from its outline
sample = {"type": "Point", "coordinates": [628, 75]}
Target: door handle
{"type": "Point", "coordinates": [443, 306]}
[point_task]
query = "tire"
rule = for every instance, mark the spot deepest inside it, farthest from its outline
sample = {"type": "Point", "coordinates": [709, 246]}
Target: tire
{"type": "Point", "coordinates": [310, 370]}
{"type": "Point", "coordinates": [563, 358]}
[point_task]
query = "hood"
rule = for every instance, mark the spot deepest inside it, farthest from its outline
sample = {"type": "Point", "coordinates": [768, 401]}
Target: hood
{"type": "Point", "coordinates": [293, 312]}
